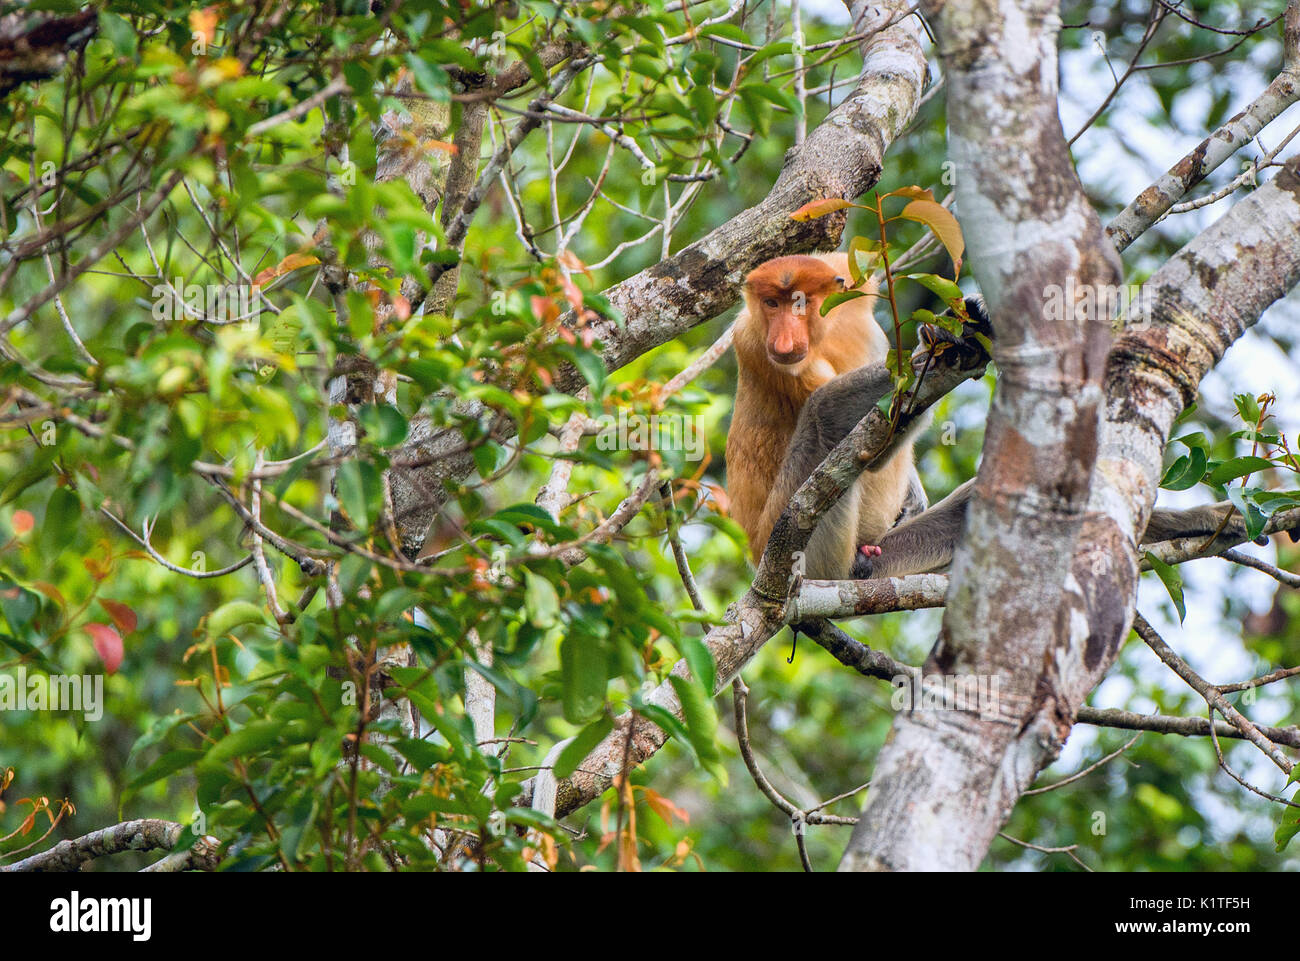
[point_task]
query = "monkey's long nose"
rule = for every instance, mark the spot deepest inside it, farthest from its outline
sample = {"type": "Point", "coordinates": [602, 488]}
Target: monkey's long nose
{"type": "Point", "coordinates": [785, 346]}
{"type": "Point", "coordinates": [792, 356]}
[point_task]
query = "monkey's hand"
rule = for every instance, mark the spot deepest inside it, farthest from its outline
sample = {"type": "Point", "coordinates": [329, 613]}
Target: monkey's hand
{"type": "Point", "coordinates": [863, 562]}
{"type": "Point", "coordinates": [970, 344]}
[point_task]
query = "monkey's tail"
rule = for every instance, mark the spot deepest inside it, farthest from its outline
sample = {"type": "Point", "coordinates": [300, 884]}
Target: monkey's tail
{"type": "Point", "coordinates": [1167, 524]}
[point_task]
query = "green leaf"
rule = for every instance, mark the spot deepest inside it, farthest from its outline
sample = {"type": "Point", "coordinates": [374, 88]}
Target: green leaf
{"type": "Point", "coordinates": [862, 246]}
{"type": "Point", "coordinates": [360, 490]}
{"type": "Point", "coordinates": [523, 702]}
{"type": "Point", "coordinates": [589, 364]}
{"type": "Point", "coordinates": [232, 614]}
{"type": "Point", "coordinates": [780, 48]}
{"type": "Point", "coordinates": [1193, 440]}
{"type": "Point", "coordinates": [700, 661]}
{"type": "Point", "coordinates": [945, 289]}
{"type": "Point", "coordinates": [584, 673]}
{"type": "Point", "coordinates": [119, 33]}
{"type": "Point", "coordinates": [31, 651]}
{"type": "Point", "coordinates": [1173, 582]}
{"type": "Point", "coordinates": [379, 757]}
{"type": "Point", "coordinates": [701, 720]}
{"type": "Point", "coordinates": [420, 753]}
{"type": "Point", "coordinates": [1242, 498]}
{"type": "Point", "coordinates": [1186, 472]}
{"type": "Point", "coordinates": [1237, 467]}
{"type": "Point", "coordinates": [582, 745]}
{"type": "Point", "coordinates": [834, 300]}
{"type": "Point", "coordinates": [540, 600]}
{"type": "Point", "coordinates": [1247, 407]}
{"type": "Point", "coordinates": [670, 723]}
{"type": "Point", "coordinates": [1289, 826]}
{"type": "Point", "coordinates": [62, 517]}
{"type": "Point", "coordinates": [169, 763]}
{"type": "Point", "coordinates": [775, 95]}
{"type": "Point", "coordinates": [18, 604]}
{"type": "Point", "coordinates": [384, 425]}
{"type": "Point", "coordinates": [249, 739]}
{"type": "Point", "coordinates": [301, 818]}
{"type": "Point", "coordinates": [430, 77]}
{"type": "Point", "coordinates": [429, 710]}
{"type": "Point", "coordinates": [489, 456]}
{"type": "Point", "coordinates": [531, 514]}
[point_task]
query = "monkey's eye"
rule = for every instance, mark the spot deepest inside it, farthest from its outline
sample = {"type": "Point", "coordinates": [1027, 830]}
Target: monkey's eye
{"type": "Point", "coordinates": [841, 281]}
{"type": "Point", "coordinates": [772, 302]}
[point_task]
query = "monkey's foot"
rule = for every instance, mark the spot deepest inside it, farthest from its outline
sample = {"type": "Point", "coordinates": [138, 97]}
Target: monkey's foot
{"type": "Point", "coordinates": [862, 561]}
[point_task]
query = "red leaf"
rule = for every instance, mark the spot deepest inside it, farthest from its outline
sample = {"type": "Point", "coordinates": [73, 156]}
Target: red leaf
{"type": "Point", "coordinates": [108, 645]}
{"type": "Point", "coordinates": [22, 522]}
{"type": "Point", "coordinates": [665, 808]}
{"type": "Point", "coordinates": [122, 615]}
{"type": "Point", "coordinates": [50, 591]}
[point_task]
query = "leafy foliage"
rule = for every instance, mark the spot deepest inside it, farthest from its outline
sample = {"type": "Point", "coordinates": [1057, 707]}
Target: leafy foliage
{"type": "Point", "coordinates": [195, 152]}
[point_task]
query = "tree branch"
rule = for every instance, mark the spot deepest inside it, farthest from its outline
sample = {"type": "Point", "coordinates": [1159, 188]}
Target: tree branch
{"type": "Point", "coordinates": [1152, 204]}
{"type": "Point", "coordinates": [143, 835]}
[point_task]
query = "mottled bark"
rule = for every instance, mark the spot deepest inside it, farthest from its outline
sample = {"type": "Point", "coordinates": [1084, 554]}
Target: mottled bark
{"type": "Point", "coordinates": [1015, 182]}
{"type": "Point", "coordinates": [876, 596]}
{"type": "Point", "coordinates": [36, 45]}
{"type": "Point", "coordinates": [948, 780]}
{"type": "Point", "coordinates": [149, 834]}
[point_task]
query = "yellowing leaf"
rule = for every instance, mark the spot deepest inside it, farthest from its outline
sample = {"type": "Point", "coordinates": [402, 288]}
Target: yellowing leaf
{"type": "Point", "coordinates": [912, 193]}
{"type": "Point", "coordinates": [204, 24]}
{"type": "Point", "coordinates": [292, 262]}
{"type": "Point", "coordinates": [571, 261]}
{"type": "Point", "coordinates": [870, 249]}
{"type": "Point", "coordinates": [665, 808]}
{"type": "Point", "coordinates": [820, 208]}
{"type": "Point", "coordinates": [944, 225]}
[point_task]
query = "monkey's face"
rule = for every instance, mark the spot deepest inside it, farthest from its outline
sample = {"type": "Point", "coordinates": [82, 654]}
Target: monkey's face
{"type": "Point", "coordinates": [786, 295]}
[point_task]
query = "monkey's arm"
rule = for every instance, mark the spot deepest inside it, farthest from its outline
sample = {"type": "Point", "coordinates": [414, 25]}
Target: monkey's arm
{"type": "Point", "coordinates": [916, 501]}
{"type": "Point", "coordinates": [830, 413]}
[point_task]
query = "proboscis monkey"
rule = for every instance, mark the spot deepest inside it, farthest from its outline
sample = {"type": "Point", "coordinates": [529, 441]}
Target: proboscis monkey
{"type": "Point", "coordinates": [804, 382]}
{"type": "Point", "coordinates": [786, 350]}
